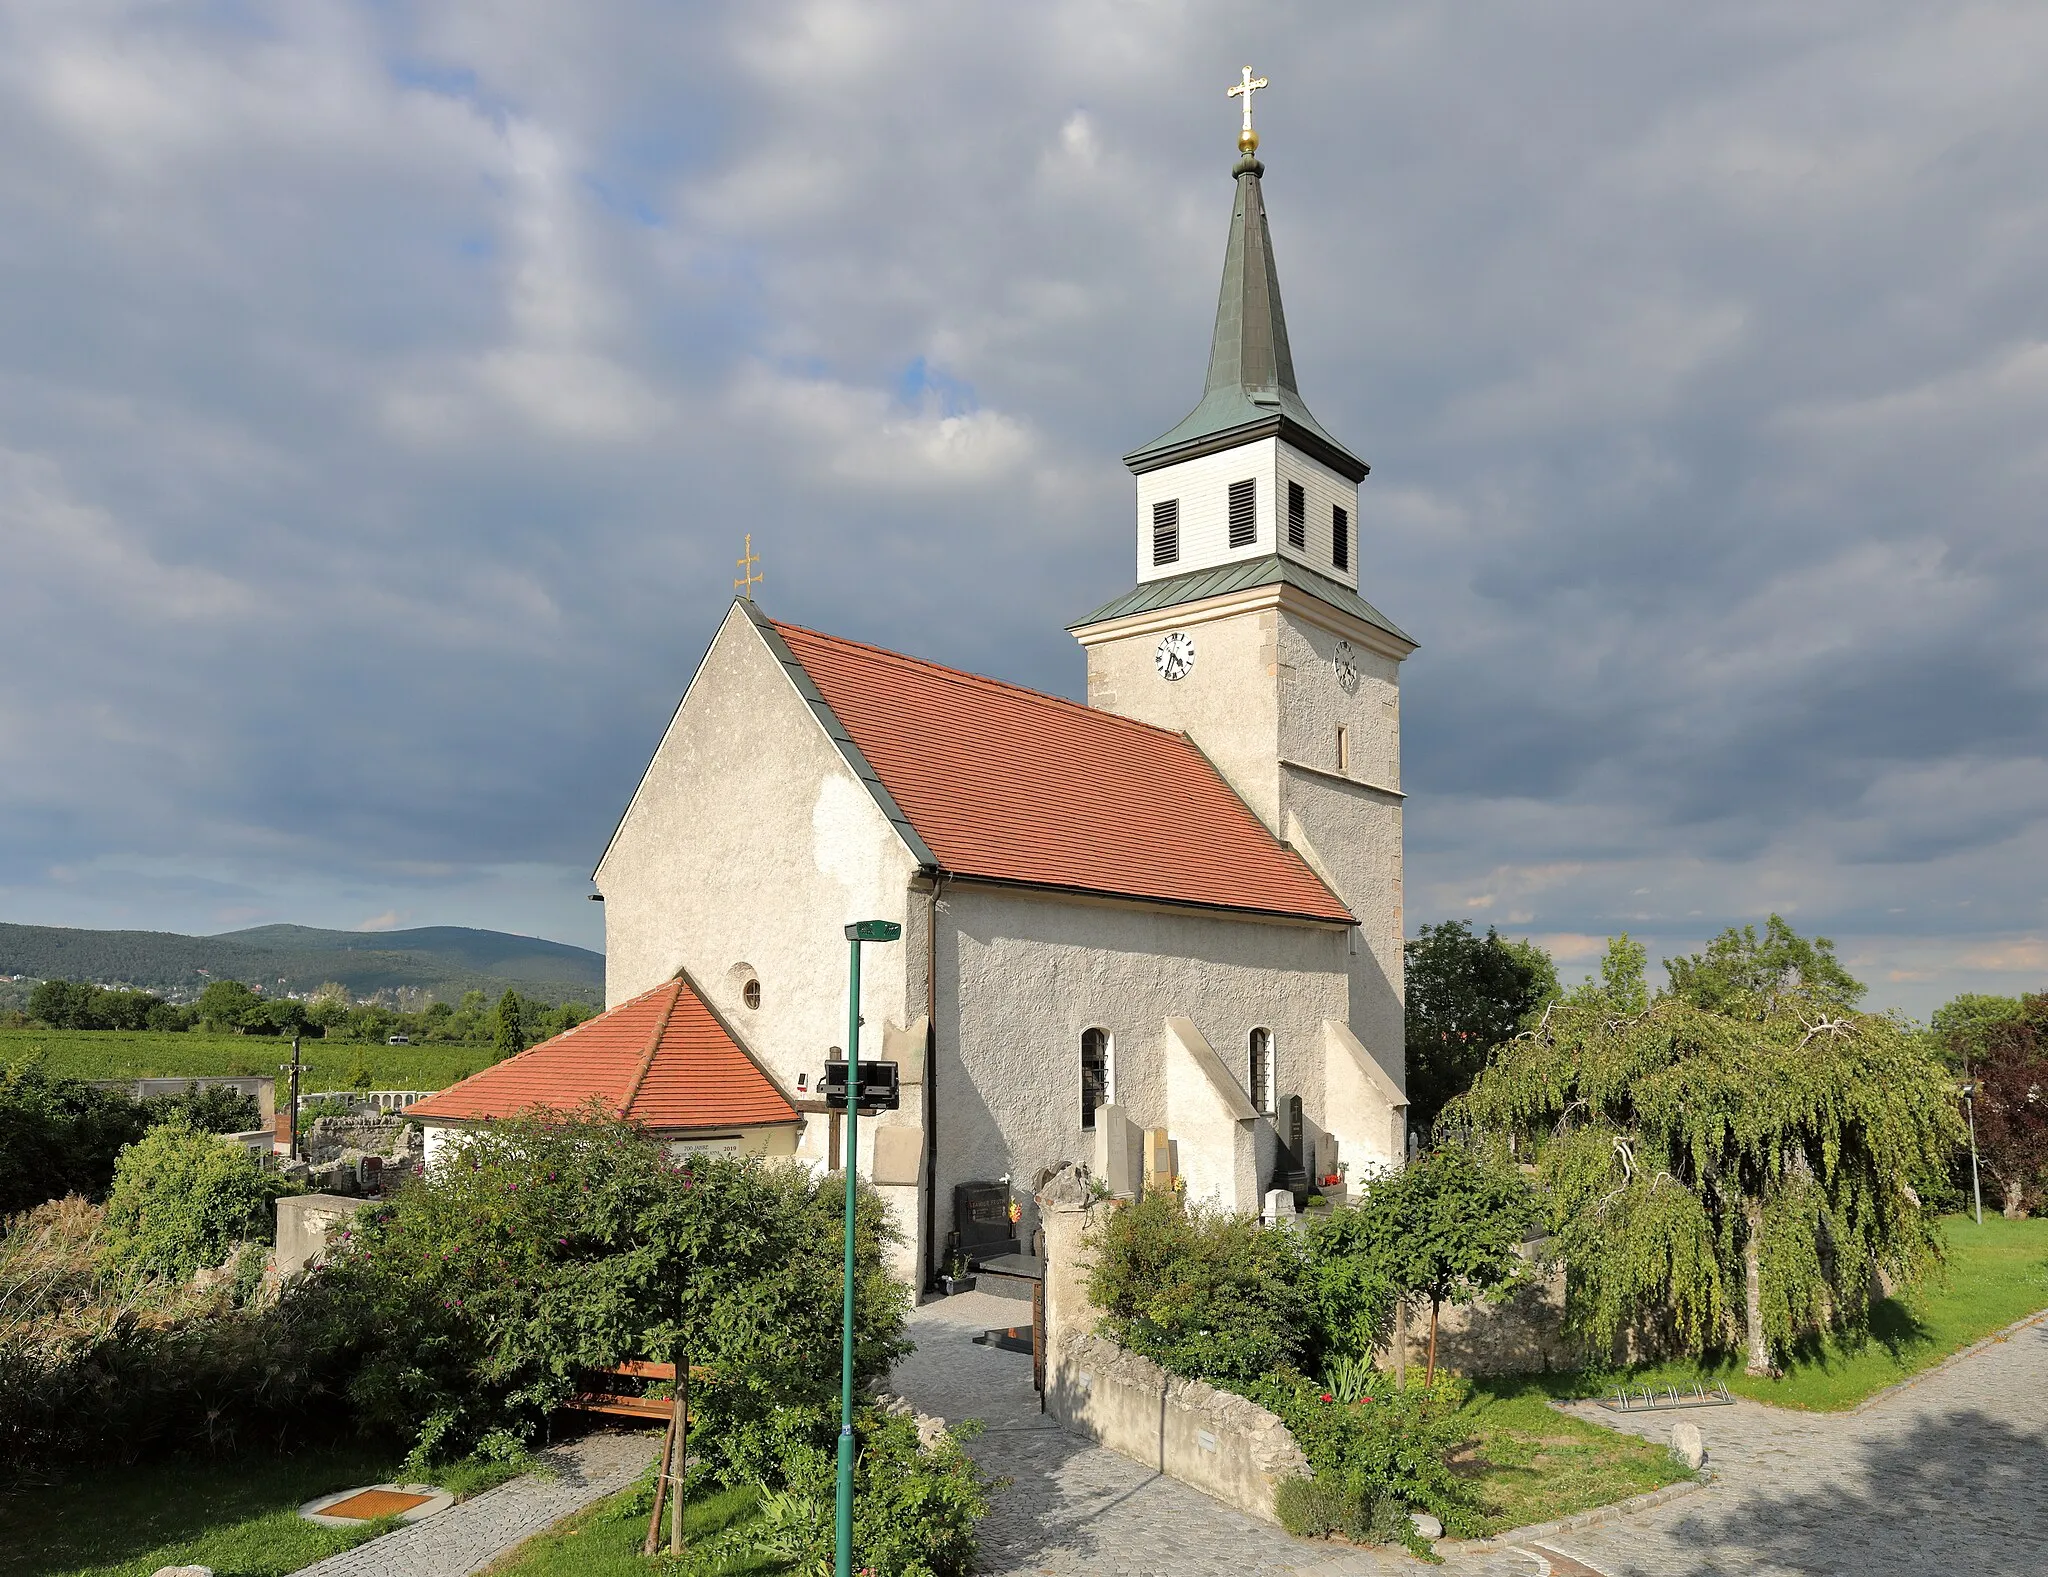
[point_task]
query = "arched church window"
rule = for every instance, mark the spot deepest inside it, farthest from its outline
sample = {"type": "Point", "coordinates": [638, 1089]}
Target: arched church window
{"type": "Point", "coordinates": [744, 979]}
{"type": "Point", "coordinates": [1259, 1080]}
{"type": "Point", "coordinates": [1095, 1074]}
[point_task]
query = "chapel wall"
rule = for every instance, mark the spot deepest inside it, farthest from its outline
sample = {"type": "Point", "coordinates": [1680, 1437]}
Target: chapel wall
{"type": "Point", "coordinates": [750, 841]}
{"type": "Point", "coordinates": [1020, 976]}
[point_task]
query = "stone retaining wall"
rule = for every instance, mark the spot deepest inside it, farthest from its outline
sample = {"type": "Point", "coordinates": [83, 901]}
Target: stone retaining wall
{"type": "Point", "coordinates": [1220, 1443]}
{"type": "Point", "coordinates": [1227, 1447]}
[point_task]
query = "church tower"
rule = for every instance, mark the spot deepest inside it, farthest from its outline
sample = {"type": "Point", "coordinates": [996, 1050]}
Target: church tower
{"type": "Point", "coordinates": [1246, 629]}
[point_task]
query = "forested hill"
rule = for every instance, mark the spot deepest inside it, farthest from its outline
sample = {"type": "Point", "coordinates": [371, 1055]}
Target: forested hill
{"type": "Point", "coordinates": [444, 960]}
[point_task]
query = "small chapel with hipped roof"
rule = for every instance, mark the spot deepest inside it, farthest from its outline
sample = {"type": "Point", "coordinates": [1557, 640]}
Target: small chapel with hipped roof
{"type": "Point", "coordinates": [1174, 910]}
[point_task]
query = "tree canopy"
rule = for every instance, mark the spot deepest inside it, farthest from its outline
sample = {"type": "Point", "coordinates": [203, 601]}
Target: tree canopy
{"type": "Point", "coordinates": [1736, 1171]}
{"type": "Point", "coordinates": [2010, 1064]}
{"type": "Point", "coordinates": [1751, 976]}
{"type": "Point", "coordinates": [1466, 995]}
{"type": "Point", "coordinates": [1445, 1228]}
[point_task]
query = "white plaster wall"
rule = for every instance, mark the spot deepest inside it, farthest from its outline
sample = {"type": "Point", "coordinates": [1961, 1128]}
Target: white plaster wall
{"type": "Point", "coordinates": [1020, 976]}
{"type": "Point", "coordinates": [1229, 703]}
{"type": "Point", "coordinates": [1212, 1120]}
{"type": "Point", "coordinates": [1203, 487]}
{"type": "Point", "coordinates": [1314, 700]}
{"type": "Point", "coordinates": [1325, 489]}
{"type": "Point", "coordinates": [1348, 824]}
{"type": "Point", "coordinates": [750, 840]}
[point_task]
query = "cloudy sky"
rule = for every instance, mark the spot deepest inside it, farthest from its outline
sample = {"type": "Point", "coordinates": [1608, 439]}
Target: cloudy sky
{"type": "Point", "coordinates": [385, 391]}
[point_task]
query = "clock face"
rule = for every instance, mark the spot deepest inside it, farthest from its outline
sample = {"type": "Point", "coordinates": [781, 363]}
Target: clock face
{"type": "Point", "coordinates": [1175, 658]}
{"type": "Point", "coordinates": [1345, 661]}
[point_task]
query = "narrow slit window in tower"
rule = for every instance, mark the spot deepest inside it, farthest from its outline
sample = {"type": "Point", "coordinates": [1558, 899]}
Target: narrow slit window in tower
{"type": "Point", "coordinates": [1095, 1086]}
{"type": "Point", "coordinates": [1166, 531]}
{"type": "Point", "coordinates": [1297, 515]}
{"type": "Point", "coordinates": [1343, 749]}
{"type": "Point", "coordinates": [1340, 537]}
{"type": "Point", "coordinates": [1244, 513]}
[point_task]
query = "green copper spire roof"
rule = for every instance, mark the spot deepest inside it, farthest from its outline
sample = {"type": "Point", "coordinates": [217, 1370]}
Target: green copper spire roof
{"type": "Point", "coordinates": [1250, 391]}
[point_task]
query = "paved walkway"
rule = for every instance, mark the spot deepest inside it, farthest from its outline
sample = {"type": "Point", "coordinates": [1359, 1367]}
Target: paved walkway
{"type": "Point", "coordinates": [1947, 1476]}
{"type": "Point", "coordinates": [468, 1537]}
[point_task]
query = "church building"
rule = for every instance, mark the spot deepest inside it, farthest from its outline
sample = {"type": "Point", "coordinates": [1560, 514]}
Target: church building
{"type": "Point", "coordinates": [1176, 907]}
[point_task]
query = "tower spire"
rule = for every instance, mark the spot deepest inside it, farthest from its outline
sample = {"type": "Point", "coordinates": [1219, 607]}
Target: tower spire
{"type": "Point", "coordinates": [1250, 390]}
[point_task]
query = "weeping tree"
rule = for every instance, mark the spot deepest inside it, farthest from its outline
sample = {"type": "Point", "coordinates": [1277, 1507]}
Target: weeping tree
{"type": "Point", "coordinates": [1740, 1171]}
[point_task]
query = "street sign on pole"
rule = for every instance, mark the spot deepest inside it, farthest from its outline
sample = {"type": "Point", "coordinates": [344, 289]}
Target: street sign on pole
{"type": "Point", "coordinates": [879, 1089]}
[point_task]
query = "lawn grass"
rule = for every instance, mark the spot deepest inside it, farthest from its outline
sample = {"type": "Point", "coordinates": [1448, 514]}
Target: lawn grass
{"type": "Point", "coordinates": [145, 1054]}
{"type": "Point", "coordinates": [604, 1540]}
{"type": "Point", "coordinates": [1530, 1463]}
{"type": "Point", "coordinates": [1997, 1273]}
{"type": "Point", "coordinates": [238, 1515]}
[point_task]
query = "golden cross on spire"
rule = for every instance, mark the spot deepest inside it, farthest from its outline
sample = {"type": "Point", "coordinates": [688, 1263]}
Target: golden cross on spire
{"type": "Point", "coordinates": [1247, 85]}
{"type": "Point", "coordinates": [748, 579]}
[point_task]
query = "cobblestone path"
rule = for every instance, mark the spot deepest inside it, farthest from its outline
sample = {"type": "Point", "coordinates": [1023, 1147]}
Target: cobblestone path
{"type": "Point", "coordinates": [1947, 1476]}
{"type": "Point", "coordinates": [1074, 1507]}
{"type": "Point", "coordinates": [468, 1537]}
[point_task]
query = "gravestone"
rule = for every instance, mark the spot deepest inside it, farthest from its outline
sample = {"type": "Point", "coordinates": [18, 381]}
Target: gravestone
{"type": "Point", "coordinates": [1280, 1211]}
{"type": "Point", "coordinates": [1158, 1159]}
{"type": "Point", "coordinates": [1119, 1151]}
{"type": "Point", "coordinates": [1291, 1168]}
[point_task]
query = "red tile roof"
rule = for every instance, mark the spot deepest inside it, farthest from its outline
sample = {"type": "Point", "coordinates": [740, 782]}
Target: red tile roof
{"type": "Point", "coordinates": [662, 1060]}
{"type": "Point", "coordinates": [1013, 785]}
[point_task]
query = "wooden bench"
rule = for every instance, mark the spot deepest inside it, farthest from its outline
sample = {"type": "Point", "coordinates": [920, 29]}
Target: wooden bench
{"type": "Point", "coordinates": [610, 1393]}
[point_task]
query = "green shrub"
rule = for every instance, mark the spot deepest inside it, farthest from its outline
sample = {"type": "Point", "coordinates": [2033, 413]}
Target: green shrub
{"type": "Point", "coordinates": [215, 1108]}
{"type": "Point", "coordinates": [102, 1366]}
{"type": "Point", "coordinates": [183, 1199]}
{"type": "Point", "coordinates": [914, 1510]}
{"type": "Point", "coordinates": [1391, 1446]}
{"type": "Point", "coordinates": [59, 1136]}
{"type": "Point", "coordinates": [473, 1299]}
{"type": "Point", "coordinates": [1203, 1294]}
{"type": "Point", "coordinates": [1316, 1508]}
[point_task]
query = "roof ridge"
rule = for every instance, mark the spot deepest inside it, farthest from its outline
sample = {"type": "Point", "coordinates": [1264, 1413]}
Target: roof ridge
{"type": "Point", "coordinates": [960, 674]}
{"type": "Point", "coordinates": [668, 1009]}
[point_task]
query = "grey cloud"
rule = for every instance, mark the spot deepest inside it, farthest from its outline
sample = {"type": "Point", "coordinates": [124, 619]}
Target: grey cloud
{"type": "Point", "coordinates": [384, 396]}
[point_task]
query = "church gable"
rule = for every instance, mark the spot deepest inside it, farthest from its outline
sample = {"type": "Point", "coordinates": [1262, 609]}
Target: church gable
{"type": "Point", "coordinates": [750, 835]}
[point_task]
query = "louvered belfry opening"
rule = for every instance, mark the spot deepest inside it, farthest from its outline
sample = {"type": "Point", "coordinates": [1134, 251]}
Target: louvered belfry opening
{"type": "Point", "coordinates": [1166, 531]}
{"type": "Point", "coordinates": [1340, 537]}
{"type": "Point", "coordinates": [1297, 515]}
{"type": "Point", "coordinates": [1244, 514]}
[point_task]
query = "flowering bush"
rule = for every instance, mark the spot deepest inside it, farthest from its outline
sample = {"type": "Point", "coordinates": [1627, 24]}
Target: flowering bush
{"type": "Point", "coordinates": [1389, 1445]}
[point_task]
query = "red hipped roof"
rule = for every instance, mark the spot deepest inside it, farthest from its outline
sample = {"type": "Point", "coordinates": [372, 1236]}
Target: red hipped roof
{"type": "Point", "coordinates": [1013, 785]}
{"type": "Point", "coordinates": [662, 1060]}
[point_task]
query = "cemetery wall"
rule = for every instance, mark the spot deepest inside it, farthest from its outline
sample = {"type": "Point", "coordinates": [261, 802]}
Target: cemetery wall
{"type": "Point", "coordinates": [1224, 1445]}
{"type": "Point", "coordinates": [1522, 1334]}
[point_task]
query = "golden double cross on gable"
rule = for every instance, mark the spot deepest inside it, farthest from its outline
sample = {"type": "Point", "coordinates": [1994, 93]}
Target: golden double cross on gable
{"type": "Point", "coordinates": [748, 578]}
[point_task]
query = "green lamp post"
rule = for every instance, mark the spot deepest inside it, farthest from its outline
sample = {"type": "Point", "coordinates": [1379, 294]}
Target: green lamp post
{"type": "Point", "coordinates": [842, 1523]}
